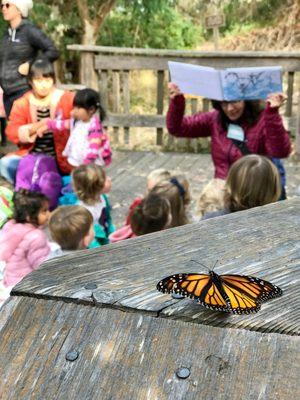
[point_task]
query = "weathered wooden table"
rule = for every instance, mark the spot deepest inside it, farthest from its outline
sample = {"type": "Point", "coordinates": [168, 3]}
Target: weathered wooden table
{"type": "Point", "coordinates": [128, 341]}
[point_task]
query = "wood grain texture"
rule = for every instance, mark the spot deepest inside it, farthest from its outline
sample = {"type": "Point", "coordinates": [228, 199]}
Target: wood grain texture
{"type": "Point", "coordinates": [126, 356]}
{"type": "Point", "coordinates": [262, 242]}
{"type": "Point", "coordinates": [156, 63]}
{"type": "Point", "coordinates": [184, 53]}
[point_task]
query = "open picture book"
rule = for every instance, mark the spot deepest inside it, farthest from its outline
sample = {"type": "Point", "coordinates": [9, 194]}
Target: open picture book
{"type": "Point", "coordinates": [228, 84]}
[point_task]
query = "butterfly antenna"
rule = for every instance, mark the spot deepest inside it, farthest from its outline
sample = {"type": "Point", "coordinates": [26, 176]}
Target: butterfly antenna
{"type": "Point", "coordinates": [215, 265]}
{"type": "Point", "coordinates": [201, 264]}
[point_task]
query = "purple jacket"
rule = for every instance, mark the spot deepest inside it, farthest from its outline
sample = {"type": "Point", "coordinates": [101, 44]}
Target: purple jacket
{"type": "Point", "coordinates": [23, 247]}
{"type": "Point", "coordinates": [266, 137]}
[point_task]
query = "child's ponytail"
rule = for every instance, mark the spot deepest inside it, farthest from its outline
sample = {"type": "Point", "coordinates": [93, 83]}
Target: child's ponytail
{"type": "Point", "coordinates": [89, 99]}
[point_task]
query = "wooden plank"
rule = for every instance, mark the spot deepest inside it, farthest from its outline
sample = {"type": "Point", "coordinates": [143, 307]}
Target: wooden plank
{"type": "Point", "coordinates": [7, 309]}
{"type": "Point", "coordinates": [297, 149]}
{"type": "Point", "coordinates": [290, 91]}
{"type": "Point", "coordinates": [206, 105]}
{"type": "Point", "coordinates": [160, 104]}
{"type": "Point", "coordinates": [126, 101]}
{"type": "Point", "coordinates": [184, 53]}
{"type": "Point", "coordinates": [103, 87]}
{"type": "Point", "coordinates": [130, 120]}
{"type": "Point", "coordinates": [116, 101]}
{"type": "Point", "coordinates": [127, 356]}
{"type": "Point", "coordinates": [146, 62]}
{"type": "Point", "coordinates": [70, 86]}
{"type": "Point", "coordinates": [262, 242]}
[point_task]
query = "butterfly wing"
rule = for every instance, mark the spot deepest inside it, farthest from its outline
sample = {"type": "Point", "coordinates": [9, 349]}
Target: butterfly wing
{"type": "Point", "coordinates": [238, 294]}
{"type": "Point", "coordinates": [256, 288]}
{"type": "Point", "coordinates": [199, 287]}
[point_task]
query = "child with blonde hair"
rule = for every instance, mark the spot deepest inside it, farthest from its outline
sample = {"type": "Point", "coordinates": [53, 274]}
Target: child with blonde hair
{"type": "Point", "coordinates": [252, 181]}
{"type": "Point", "coordinates": [177, 192]}
{"type": "Point", "coordinates": [91, 186]}
{"type": "Point", "coordinates": [154, 177]}
{"type": "Point", "coordinates": [71, 227]}
{"type": "Point", "coordinates": [211, 198]}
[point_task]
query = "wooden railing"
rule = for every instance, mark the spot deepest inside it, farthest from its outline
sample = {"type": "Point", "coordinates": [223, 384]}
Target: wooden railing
{"type": "Point", "coordinates": [113, 67]}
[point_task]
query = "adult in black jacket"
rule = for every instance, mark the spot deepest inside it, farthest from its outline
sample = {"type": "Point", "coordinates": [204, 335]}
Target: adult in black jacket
{"type": "Point", "coordinates": [21, 44]}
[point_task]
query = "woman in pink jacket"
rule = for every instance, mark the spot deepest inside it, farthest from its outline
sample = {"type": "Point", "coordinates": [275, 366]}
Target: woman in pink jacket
{"type": "Point", "coordinates": [23, 243]}
{"type": "Point", "coordinates": [255, 130]}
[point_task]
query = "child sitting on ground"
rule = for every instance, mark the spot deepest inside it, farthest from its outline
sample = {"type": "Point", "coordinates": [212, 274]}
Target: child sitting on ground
{"type": "Point", "coordinates": [152, 214]}
{"type": "Point", "coordinates": [177, 192]}
{"type": "Point", "coordinates": [252, 181]}
{"type": "Point", "coordinates": [155, 176]}
{"type": "Point", "coordinates": [87, 142]}
{"type": "Point", "coordinates": [71, 228]}
{"type": "Point", "coordinates": [91, 187]}
{"type": "Point", "coordinates": [211, 198]}
{"type": "Point", "coordinates": [23, 243]}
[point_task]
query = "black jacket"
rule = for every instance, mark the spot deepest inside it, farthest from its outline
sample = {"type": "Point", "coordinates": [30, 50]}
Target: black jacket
{"type": "Point", "coordinates": [18, 46]}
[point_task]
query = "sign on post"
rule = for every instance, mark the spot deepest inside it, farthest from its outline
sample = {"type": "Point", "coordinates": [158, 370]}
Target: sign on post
{"type": "Point", "coordinates": [215, 21]}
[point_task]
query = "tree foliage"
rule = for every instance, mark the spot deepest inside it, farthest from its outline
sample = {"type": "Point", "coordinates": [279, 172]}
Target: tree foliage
{"type": "Point", "coordinates": [175, 24]}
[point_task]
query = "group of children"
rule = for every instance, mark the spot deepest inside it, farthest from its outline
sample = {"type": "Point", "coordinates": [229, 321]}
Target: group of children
{"type": "Point", "coordinates": [83, 217]}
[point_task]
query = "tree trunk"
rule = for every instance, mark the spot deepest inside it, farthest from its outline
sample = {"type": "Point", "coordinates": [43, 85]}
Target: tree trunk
{"type": "Point", "coordinates": [88, 76]}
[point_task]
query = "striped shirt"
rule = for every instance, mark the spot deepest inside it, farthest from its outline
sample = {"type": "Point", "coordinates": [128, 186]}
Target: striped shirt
{"type": "Point", "coordinates": [44, 144]}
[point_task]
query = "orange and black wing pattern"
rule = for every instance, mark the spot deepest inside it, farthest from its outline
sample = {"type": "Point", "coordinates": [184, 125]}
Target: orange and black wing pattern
{"type": "Point", "coordinates": [256, 288]}
{"type": "Point", "coordinates": [199, 287]}
{"type": "Point", "coordinates": [237, 294]}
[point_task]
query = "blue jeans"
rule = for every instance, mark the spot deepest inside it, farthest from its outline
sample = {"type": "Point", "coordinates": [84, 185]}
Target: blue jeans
{"type": "Point", "coordinates": [9, 166]}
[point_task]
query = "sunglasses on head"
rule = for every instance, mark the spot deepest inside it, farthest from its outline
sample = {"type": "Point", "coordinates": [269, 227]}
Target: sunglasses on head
{"type": "Point", "coordinates": [5, 5]}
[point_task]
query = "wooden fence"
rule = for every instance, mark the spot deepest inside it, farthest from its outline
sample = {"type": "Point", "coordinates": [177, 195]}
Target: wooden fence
{"type": "Point", "coordinates": [113, 67]}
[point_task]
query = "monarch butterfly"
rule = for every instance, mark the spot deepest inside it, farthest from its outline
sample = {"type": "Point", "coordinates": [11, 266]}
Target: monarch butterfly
{"type": "Point", "coordinates": [237, 294]}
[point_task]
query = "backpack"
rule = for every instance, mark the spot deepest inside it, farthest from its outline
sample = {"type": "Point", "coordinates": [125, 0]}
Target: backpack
{"type": "Point", "coordinates": [39, 173]}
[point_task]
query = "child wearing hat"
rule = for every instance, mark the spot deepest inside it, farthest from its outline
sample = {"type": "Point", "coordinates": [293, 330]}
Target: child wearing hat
{"type": "Point", "coordinates": [21, 43]}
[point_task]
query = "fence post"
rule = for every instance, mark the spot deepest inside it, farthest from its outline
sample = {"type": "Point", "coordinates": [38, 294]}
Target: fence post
{"type": "Point", "coordinates": [297, 144]}
{"type": "Point", "coordinates": [116, 101]}
{"type": "Point", "coordinates": [290, 91]}
{"type": "Point", "coordinates": [160, 104]}
{"type": "Point", "coordinates": [88, 75]}
{"type": "Point", "coordinates": [126, 102]}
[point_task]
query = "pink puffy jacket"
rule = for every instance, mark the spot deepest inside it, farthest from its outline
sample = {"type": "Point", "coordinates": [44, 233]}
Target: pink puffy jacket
{"type": "Point", "coordinates": [267, 137]}
{"type": "Point", "coordinates": [23, 247]}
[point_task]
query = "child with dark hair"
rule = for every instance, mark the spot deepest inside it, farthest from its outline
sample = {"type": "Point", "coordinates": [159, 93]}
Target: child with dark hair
{"type": "Point", "coordinates": [29, 115]}
{"type": "Point", "coordinates": [87, 142]}
{"type": "Point", "coordinates": [151, 215]}
{"type": "Point", "coordinates": [175, 191]}
{"type": "Point", "coordinates": [154, 177]}
{"type": "Point", "coordinates": [71, 227]}
{"type": "Point", "coordinates": [23, 244]}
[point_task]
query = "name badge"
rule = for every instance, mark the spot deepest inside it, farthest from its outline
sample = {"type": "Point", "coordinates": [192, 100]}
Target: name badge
{"type": "Point", "coordinates": [235, 132]}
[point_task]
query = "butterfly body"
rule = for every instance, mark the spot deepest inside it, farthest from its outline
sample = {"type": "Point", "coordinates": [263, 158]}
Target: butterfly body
{"type": "Point", "coordinates": [237, 294]}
